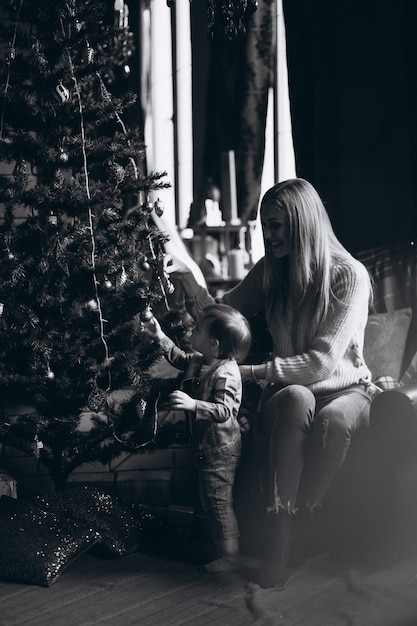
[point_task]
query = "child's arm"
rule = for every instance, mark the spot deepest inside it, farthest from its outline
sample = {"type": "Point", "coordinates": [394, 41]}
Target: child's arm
{"type": "Point", "coordinates": [174, 355]}
{"type": "Point", "coordinates": [225, 398]}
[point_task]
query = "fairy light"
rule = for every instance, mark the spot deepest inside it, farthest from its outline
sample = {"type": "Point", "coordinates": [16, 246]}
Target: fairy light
{"type": "Point", "coordinates": [9, 66]}
{"type": "Point", "coordinates": [90, 214]}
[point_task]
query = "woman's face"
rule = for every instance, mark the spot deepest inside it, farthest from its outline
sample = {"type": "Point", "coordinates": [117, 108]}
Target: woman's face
{"type": "Point", "coordinates": [275, 230]}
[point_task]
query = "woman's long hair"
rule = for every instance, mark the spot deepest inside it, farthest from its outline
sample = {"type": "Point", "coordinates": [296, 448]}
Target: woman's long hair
{"type": "Point", "coordinates": [313, 248]}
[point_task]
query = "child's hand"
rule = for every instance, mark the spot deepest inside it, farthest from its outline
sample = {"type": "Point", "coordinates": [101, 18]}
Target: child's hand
{"type": "Point", "coordinates": [152, 328]}
{"type": "Point", "coordinates": [180, 400]}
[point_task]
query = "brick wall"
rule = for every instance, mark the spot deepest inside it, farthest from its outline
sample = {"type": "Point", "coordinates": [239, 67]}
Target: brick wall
{"type": "Point", "coordinates": [163, 477]}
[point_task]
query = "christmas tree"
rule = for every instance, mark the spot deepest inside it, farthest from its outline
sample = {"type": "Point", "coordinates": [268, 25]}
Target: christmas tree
{"type": "Point", "coordinates": [84, 266]}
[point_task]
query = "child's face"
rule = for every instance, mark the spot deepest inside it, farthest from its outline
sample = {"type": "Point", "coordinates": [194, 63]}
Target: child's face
{"type": "Point", "coordinates": [200, 339]}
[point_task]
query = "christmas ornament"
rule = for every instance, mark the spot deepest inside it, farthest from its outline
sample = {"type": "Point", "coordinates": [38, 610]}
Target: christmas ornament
{"type": "Point", "coordinates": [169, 286]}
{"type": "Point", "coordinates": [108, 283]}
{"type": "Point", "coordinates": [159, 207]}
{"type": "Point", "coordinates": [147, 206]}
{"type": "Point", "coordinates": [49, 374]}
{"type": "Point", "coordinates": [20, 170]}
{"type": "Point", "coordinates": [146, 315]}
{"type": "Point", "coordinates": [61, 93]}
{"type": "Point", "coordinates": [144, 265]}
{"type": "Point", "coordinates": [92, 304]}
{"type": "Point", "coordinates": [97, 399]}
{"type": "Point", "coordinates": [123, 277]}
{"type": "Point", "coordinates": [115, 171]}
{"type": "Point", "coordinates": [52, 218]}
{"type": "Point", "coordinates": [63, 156]}
{"type": "Point", "coordinates": [1, 308]}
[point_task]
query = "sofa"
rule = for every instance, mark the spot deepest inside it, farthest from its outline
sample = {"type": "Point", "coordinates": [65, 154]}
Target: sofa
{"type": "Point", "coordinates": [370, 511]}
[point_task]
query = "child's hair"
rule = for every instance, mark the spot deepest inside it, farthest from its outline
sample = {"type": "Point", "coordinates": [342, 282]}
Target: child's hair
{"type": "Point", "coordinates": [229, 327]}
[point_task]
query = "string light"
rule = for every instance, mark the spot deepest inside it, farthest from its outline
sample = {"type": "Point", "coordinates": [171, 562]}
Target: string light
{"type": "Point", "coordinates": [12, 54]}
{"type": "Point", "coordinates": [90, 214]}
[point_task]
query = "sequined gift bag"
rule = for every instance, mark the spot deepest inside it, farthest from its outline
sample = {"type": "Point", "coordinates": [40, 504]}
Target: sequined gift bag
{"type": "Point", "coordinates": [40, 544]}
{"type": "Point", "coordinates": [122, 527]}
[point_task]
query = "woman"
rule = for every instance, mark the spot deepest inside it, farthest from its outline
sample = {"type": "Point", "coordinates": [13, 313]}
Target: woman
{"type": "Point", "coordinates": [316, 384]}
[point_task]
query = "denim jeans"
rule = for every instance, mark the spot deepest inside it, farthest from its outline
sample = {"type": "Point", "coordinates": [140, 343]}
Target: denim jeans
{"type": "Point", "coordinates": [305, 440]}
{"type": "Point", "coordinates": [216, 479]}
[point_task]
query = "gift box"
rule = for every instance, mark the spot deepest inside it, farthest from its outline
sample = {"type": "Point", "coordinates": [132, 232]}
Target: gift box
{"type": "Point", "coordinates": [8, 486]}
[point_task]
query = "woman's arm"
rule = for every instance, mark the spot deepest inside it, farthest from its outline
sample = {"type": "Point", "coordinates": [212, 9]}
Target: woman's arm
{"type": "Point", "coordinates": [247, 297]}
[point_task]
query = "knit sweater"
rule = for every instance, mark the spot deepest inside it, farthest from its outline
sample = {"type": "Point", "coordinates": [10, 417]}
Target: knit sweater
{"type": "Point", "coordinates": [333, 359]}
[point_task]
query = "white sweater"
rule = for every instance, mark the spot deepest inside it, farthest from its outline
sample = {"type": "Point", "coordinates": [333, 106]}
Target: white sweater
{"type": "Point", "coordinates": [333, 360]}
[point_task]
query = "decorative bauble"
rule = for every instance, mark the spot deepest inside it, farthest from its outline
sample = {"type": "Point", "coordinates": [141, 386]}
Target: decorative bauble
{"type": "Point", "coordinates": [20, 169]}
{"type": "Point", "coordinates": [1, 308]}
{"type": "Point", "coordinates": [159, 207]}
{"type": "Point", "coordinates": [49, 374]}
{"type": "Point", "coordinates": [115, 171]}
{"type": "Point", "coordinates": [147, 206]}
{"type": "Point", "coordinates": [146, 315]}
{"type": "Point", "coordinates": [123, 277]}
{"type": "Point", "coordinates": [61, 93]}
{"type": "Point", "coordinates": [52, 219]}
{"type": "Point", "coordinates": [97, 399]}
{"type": "Point", "coordinates": [63, 156]}
{"type": "Point", "coordinates": [170, 287]}
{"type": "Point", "coordinates": [92, 304]}
{"type": "Point", "coordinates": [108, 283]}
{"type": "Point", "coordinates": [144, 265]}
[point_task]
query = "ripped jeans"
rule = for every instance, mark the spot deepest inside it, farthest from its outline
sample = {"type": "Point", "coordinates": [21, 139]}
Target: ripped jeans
{"type": "Point", "coordinates": [307, 438]}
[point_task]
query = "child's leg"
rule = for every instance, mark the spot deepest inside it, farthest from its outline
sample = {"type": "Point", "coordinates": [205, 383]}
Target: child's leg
{"type": "Point", "coordinates": [216, 483]}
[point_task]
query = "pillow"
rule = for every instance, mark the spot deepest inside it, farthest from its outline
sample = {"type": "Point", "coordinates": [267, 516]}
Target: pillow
{"type": "Point", "coordinates": [123, 528]}
{"type": "Point", "coordinates": [385, 341]}
{"type": "Point", "coordinates": [37, 545]}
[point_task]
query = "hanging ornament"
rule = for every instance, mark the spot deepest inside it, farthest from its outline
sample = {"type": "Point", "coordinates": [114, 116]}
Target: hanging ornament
{"type": "Point", "coordinates": [52, 218]}
{"type": "Point", "coordinates": [11, 256]}
{"type": "Point", "coordinates": [61, 93]}
{"type": "Point", "coordinates": [144, 265]}
{"type": "Point", "coordinates": [92, 304]}
{"type": "Point", "coordinates": [1, 308]}
{"type": "Point", "coordinates": [115, 171]}
{"type": "Point", "coordinates": [37, 446]}
{"type": "Point", "coordinates": [146, 315]}
{"type": "Point", "coordinates": [20, 170]}
{"type": "Point", "coordinates": [147, 206]}
{"type": "Point", "coordinates": [108, 283]}
{"type": "Point", "coordinates": [63, 156]}
{"type": "Point", "coordinates": [88, 52]}
{"type": "Point", "coordinates": [169, 286]}
{"type": "Point", "coordinates": [123, 276]}
{"type": "Point", "coordinates": [97, 399]}
{"type": "Point", "coordinates": [159, 207]}
{"type": "Point", "coordinates": [49, 374]}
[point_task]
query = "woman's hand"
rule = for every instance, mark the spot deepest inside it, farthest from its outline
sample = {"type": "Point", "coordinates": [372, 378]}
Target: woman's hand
{"type": "Point", "coordinates": [173, 265]}
{"type": "Point", "coordinates": [180, 400]}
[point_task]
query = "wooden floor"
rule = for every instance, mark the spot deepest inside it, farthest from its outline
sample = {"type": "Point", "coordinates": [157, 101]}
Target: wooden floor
{"type": "Point", "coordinates": [166, 588]}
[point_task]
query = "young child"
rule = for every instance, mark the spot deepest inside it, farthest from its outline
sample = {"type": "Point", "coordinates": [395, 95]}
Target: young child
{"type": "Point", "coordinates": [211, 394]}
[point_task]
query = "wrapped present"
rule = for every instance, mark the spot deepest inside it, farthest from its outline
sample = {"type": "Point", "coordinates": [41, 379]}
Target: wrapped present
{"type": "Point", "coordinates": [8, 486]}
